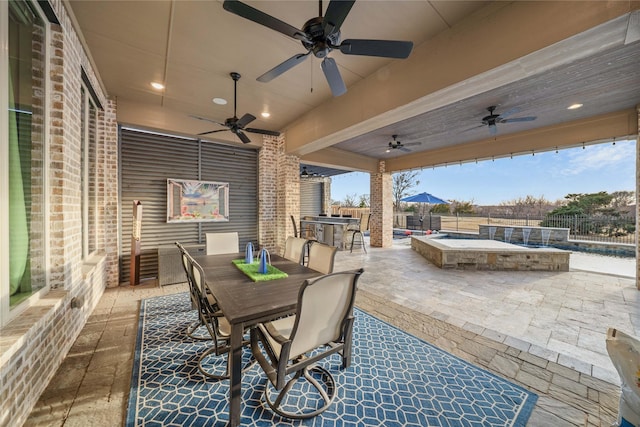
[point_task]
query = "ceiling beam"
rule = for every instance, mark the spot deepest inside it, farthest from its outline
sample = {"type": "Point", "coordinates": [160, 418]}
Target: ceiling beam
{"type": "Point", "coordinates": [340, 159]}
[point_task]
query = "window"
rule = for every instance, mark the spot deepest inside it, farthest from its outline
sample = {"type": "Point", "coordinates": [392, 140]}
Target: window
{"type": "Point", "coordinates": [23, 162]}
{"type": "Point", "coordinates": [88, 122]}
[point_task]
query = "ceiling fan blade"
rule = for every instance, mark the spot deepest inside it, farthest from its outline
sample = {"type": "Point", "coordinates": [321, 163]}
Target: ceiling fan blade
{"type": "Point", "coordinates": [493, 129]}
{"type": "Point", "coordinates": [281, 68]}
{"type": "Point", "coordinates": [472, 128]}
{"type": "Point", "coordinates": [213, 131]}
{"type": "Point", "coordinates": [406, 150]}
{"type": "Point", "coordinates": [409, 144]}
{"type": "Point", "coordinates": [519, 119]}
{"type": "Point", "coordinates": [243, 137]}
{"type": "Point", "coordinates": [245, 120]}
{"type": "Point", "coordinates": [510, 112]}
{"type": "Point", "coordinates": [385, 48]}
{"type": "Point", "coordinates": [255, 15]}
{"type": "Point", "coordinates": [262, 131]}
{"type": "Point", "coordinates": [332, 74]}
{"type": "Point", "coordinates": [335, 15]}
{"type": "Point", "coordinates": [205, 119]}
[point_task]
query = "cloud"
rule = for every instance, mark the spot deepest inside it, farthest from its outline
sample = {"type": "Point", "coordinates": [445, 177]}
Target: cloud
{"type": "Point", "coordinates": [598, 157]}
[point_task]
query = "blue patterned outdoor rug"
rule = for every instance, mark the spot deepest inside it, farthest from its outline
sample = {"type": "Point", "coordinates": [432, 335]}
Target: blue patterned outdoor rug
{"type": "Point", "coordinates": [395, 379]}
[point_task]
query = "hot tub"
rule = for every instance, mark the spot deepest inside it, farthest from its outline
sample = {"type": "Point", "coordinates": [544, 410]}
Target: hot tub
{"type": "Point", "coordinates": [478, 254]}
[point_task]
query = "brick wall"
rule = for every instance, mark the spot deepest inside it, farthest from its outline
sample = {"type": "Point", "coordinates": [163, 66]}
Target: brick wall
{"type": "Point", "coordinates": [288, 196]}
{"type": "Point", "coordinates": [381, 223]}
{"type": "Point", "coordinates": [279, 193]}
{"type": "Point", "coordinates": [326, 195]}
{"type": "Point", "coordinates": [267, 191]}
{"type": "Point", "coordinates": [108, 199]}
{"type": "Point", "coordinates": [36, 341]}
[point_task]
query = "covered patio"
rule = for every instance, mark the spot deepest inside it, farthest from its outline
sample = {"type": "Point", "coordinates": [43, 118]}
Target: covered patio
{"type": "Point", "coordinates": [541, 330]}
{"type": "Point", "coordinates": [95, 141]}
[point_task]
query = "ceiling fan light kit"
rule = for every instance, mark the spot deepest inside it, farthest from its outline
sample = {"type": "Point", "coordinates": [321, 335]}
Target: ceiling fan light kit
{"type": "Point", "coordinates": [320, 35]}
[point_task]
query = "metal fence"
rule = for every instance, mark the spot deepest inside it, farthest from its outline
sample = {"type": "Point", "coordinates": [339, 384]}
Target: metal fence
{"type": "Point", "coordinates": [598, 228]}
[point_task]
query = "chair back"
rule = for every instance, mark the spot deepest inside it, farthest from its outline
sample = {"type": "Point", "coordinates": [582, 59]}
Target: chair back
{"type": "Point", "coordinates": [325, 305]}
{"type": "Point", "coordinates": [295, 226]}
{"type": "Point", "coordinates": [185, 258]}
{"type": "Point", "coordinates": [321, 257]}
{"type": "Point", "coordinates": [208, 305]}
{"type": "Point", "coordinates": [364, 222]}
{"type": "Point", "coordinates": [222, 243]}
{"type": "Point", "coordinates": [294, 249]}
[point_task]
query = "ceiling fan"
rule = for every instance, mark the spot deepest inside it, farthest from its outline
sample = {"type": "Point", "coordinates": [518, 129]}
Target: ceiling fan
{"type": "Point", "coordinates": [320, 36]}
{"type": "Point", "coordinates": [493, 119]}
{"type": "Point", "coordinates": [234, 124]}
{"type": "Point", "coordinates": [398, 145]}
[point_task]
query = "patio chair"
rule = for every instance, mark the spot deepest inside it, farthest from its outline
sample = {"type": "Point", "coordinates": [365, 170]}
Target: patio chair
{"type": "Point", "coordinates": [357, 231]}
{"type": "Point", "coordinates": [294, 249]}
{"type": "Point", "coordinates": [321, 326]}
{"type": "Point", "coordinates": [321, 257]}
{"type": "Point", "coordinates": [295, 226]}
{"type": "Point", "coordinates": [216, 324]}
{"type": "Point", "coordinates": [193, 293]}
{"type": "Point", "coordinates": [309, 233]}
{"type": "Point", "coordinates": [222, 243]}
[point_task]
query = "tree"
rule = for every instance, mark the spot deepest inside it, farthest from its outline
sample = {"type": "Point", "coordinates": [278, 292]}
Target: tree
{"type": "Point", "coordinates": [584, 204]}
{"type": "Point", "coordinates": [350, 201]}
{"type": "Point", "coordinates": [442, 208]}
{"type": "Point", "coordinates": [402, 183]}
{"type": "Point", "coordinates": [462, 207]}
{"type": "Point", "coordinates": [364, 201]}
{"type": "Point", "coordinates": [529, 205]}
{"type": "Point", "coordinates": [622, 199]}
{"type": "Point", "coordinates": [589, 214]}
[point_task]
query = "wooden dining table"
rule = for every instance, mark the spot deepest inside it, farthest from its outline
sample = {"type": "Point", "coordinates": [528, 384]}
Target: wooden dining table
{"type": "Point", "coordinates": [246, 303]}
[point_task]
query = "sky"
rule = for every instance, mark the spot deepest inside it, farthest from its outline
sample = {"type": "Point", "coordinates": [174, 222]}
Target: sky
{"type": "Point", "coordinates": [603, 167]}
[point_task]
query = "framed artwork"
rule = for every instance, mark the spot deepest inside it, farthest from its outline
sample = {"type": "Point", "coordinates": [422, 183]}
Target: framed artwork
{"type": "Point", "coordinates": [197, 201]}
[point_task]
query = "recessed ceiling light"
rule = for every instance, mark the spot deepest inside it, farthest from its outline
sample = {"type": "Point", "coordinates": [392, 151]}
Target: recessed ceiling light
{"type": "Point", "coordinates": [157, 85]}
{"type": "Point", "coordinates": [220, 101]}
{"type": "Point", "coordinates": [266, 114]}
{"type": "Point", "coordinates": [574, 106]}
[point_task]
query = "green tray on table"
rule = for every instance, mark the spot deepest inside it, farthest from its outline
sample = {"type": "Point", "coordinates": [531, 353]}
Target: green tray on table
{"type": "Point", "coordinates": [251, 270]}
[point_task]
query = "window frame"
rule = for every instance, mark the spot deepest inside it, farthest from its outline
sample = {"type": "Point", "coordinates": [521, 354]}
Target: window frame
{"type": "Point", "coordinates": [89, 164]}
{"type": "Point", "coordinates": [8, 313]}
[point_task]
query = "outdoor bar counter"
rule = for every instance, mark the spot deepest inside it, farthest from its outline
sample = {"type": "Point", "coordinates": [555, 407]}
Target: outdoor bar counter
{"type": "Point", "coordinates": [326, 229]}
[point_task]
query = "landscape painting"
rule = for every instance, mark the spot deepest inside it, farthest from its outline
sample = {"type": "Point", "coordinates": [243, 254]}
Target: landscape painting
{"type": "Point", "coordinates": [197, 201]}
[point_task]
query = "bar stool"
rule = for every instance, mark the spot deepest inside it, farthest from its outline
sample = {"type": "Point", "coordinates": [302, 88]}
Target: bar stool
{"type": "Point", "coordinates": [362, 226]}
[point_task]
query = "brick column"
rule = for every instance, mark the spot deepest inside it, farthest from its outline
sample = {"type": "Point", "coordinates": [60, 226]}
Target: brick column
{"type": "Point", "coordinates": [64, 180]}
{"type": "Point", "coordinates": [381, 224]}
{"type": "Point", "coordinates": [278, 193]}
{"type": "Point", "coordinates": [326, 195]}
{"type": "Point", "coordinates": [108, 127]}
{"type": "Point", "coordinates": [288, 197]}
{"type": "Point", "coordinates": [267, 197]}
